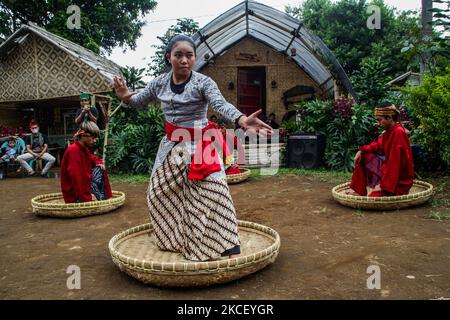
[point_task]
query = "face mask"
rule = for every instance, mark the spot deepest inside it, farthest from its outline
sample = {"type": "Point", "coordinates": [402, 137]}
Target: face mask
{"type": "Point", "coordinates": [35, 131]}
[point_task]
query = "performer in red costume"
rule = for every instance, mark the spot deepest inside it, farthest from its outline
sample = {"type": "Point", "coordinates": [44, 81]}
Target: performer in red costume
{"type": "Point", "coordinates": [385, 165]}
{"type": "Point", "coordinates": [82, 173]}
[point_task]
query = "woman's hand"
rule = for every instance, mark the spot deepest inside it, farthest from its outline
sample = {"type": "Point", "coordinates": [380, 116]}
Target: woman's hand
{"type": "Point", "coordinates": [253, 124]}
{"type": "Point", "coordinates": [122, 90]}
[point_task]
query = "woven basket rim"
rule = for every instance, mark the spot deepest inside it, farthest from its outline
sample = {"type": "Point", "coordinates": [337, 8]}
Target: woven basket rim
{"type": "Point", "coordinates": [383, 200]}
{"type": "Point", "coordinates": [244, 171]}
{"type": "Point", "coordinates": [239, 177]}
{"type": "Point", "coordinates": [118, 197]}
{"type": "Point", "coordinates": [199, 266]}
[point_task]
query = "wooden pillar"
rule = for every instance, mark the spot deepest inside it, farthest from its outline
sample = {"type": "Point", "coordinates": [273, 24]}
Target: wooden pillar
{"type": "Point", "coordinates": [105, 142]}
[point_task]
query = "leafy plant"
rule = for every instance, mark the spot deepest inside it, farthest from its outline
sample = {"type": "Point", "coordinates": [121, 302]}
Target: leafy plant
{"type": "Point", "coordinates": [370, 82]}
{"type": "Point", "coordinates": [345, 135]}
{"type": "Point", "coordinates": [133, 77]}
{"type": "Point", "coordinates": [314, 115]}
{"type": "Point", "coordinates": [135, 140]}
{"type": "Point", "coordinates": [430, 104]}
{"type": "Point", "coordinates": [346, 125]}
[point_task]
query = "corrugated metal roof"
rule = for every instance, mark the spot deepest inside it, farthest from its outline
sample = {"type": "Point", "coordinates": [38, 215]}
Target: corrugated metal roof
{"type": "Point", "coordinates": [105, 67]}
{"type": "Point", "coordinates": [275, 29]}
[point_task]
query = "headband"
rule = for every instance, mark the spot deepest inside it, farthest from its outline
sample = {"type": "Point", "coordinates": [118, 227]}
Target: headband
{"type": "Point", "coordinates": [386, 111]}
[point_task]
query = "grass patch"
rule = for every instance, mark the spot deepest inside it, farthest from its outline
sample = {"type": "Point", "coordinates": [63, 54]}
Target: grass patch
{"type": "Point", "coordinates": [359, 213]}
{"type": "Point", "coordinates": [129, 178]}
{"type": "Point", "coordinates": [334, 177]}
{"type": "Point", "coordinates": [440, 201]}
{"type": "Point", "coordinates": [440, 215]}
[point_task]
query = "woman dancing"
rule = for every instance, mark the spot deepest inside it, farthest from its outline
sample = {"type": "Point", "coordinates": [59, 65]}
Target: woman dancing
{"type": "Point", "coordinates": [188, 197]}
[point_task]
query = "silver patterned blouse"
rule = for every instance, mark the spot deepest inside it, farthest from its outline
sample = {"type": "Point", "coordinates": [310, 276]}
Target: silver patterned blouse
{"type": "Point", "coordinates": [187, 109]}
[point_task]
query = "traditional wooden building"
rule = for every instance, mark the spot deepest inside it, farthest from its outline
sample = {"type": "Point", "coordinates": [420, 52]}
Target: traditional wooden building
{"type": "Point", "coordinates": [42, 76]}
{"type": "Point", "coordinates": [261, 57]}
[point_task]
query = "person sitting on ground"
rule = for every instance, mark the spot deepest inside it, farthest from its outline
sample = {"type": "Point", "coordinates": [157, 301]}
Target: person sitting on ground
{"type": "Point", "coordinates": [37, 145]}
{"type": "Point", "coordinates": [386, 165]}
{"type": "Point", "coordinates": [86, 112]}
{"type": "Point", "coordinates": [82, 173]}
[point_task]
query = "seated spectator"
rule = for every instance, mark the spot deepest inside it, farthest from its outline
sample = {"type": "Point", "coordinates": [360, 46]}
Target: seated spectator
{"type": "Point", "coordinates": [36, 146]}
{"type": "Point", "coordinates": [8, 152]}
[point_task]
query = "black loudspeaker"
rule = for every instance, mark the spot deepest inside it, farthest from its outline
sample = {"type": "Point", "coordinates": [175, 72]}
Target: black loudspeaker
{"type": "Point", "coordinates": [306, 150]}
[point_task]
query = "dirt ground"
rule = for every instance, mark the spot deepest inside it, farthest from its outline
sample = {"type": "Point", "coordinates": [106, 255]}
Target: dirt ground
{"type": "Point", "coordinates": [325, 248]}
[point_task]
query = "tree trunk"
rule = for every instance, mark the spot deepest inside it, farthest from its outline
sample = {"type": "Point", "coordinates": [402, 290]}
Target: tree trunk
{"type": "Point", "coordinates": [427, 29]}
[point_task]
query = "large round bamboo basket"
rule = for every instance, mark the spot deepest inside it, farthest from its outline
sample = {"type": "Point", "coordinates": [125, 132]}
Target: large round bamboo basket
{"type": "Point", "coordinates": [420, 193]}
{"type": "Point", "coordinates": [52, 205]}
{"type": "Point", "coordinates": [239, 177]}
{"type": "Point", "coordinates": [134, 251]}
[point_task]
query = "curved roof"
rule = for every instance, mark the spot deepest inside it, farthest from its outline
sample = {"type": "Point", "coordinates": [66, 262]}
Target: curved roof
{"type": "Point", "coordinates": [275, 29]}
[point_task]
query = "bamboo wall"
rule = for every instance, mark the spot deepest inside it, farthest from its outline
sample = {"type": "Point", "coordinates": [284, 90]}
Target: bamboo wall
{"type": "Point", "coordinates": [37, 69]}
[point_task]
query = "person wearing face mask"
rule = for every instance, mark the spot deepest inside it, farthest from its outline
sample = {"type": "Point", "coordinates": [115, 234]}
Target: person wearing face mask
{"type": "Point", "coordinates": [37, 145]}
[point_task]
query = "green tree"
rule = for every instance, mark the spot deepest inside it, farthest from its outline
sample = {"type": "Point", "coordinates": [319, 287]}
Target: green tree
{"type": "Point", "coordinates": [105, 24]}
{"type": "Point", "coordinates": [430, 104]}
{"type": "Point", "coordinates": [342, 25]}
{"type": "Point", "coordinates": [370, 82]}
{"type": "Point", "coordinates": [430, 48]}
{"type": "Point", "coordinates": [133, 77]}
{"type": "Point", "coordinates": [185, 26]}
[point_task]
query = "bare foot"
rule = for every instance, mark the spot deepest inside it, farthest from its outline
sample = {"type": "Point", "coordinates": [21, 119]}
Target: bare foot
{"type": "Point", "coordinates": [232, 256]}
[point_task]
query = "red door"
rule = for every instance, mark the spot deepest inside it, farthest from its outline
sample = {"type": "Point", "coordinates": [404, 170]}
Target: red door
{"type": "Point", "coordinates": [251, 89]}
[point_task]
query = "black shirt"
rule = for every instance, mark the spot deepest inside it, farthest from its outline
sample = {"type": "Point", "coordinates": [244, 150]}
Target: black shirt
{"type": "Point", "coordinates": [179, 88]}
{"type": "Point", "coordinates": [33, 141]}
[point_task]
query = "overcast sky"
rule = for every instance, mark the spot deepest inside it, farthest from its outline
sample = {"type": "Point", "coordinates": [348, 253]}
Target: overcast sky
{"type": "Point", "coordinates": [202, 11]}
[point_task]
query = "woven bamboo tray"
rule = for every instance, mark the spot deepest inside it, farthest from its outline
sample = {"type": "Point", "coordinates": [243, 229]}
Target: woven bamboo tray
{"type": "Point", "coordinates": [52, 205]}
{"type": "Point", "coordinates": [239, 177]}
{"type": "Point", "coordinates": [420, 193]}
{"type": "Point", "coordinates": [134, 251]}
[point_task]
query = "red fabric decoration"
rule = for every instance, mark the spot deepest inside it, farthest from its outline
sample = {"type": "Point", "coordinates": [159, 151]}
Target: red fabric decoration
{"type": "Point", "coordinates": [206, 158]}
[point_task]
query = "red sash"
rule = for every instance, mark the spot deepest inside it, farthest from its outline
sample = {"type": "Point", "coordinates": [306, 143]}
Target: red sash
{"type": "Point", "coordinates": [206, 158]}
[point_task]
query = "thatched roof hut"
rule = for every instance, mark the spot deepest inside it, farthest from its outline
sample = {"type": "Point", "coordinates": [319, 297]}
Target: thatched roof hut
{"type": "Point", "coordinates": [42, 77]}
